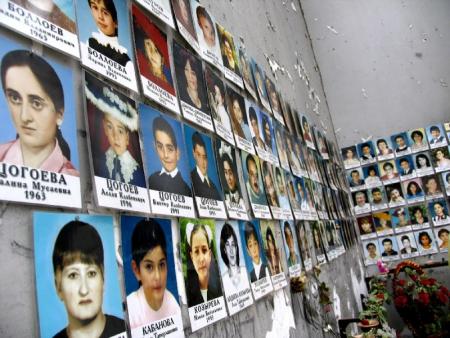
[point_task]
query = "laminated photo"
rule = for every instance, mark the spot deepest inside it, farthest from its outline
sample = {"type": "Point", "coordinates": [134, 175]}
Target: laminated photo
{"type": "Point", "coordinates": [350, 157]}
{"type": "Point", "coordinates": [294, 197]}
{"type": "Point", "coordinates": [230, 57]}
{"type": "Point", "coordinates": [389, 248]}
{"type": "Point", "coordinates": [355, 179]}
{"type": "Point", "coordinates": [51, 22]}
{"type": "Point", "coordinates": [273, 242]}
{"type": "Point", "coordinates": [219, 108]}
{"type": "Point", "coordinates": [383, 223]}
{"type": "Point", "coordinates": [268, 175]}
{"type": "Point", "coordinates": [185, 23]}
{"type": "Point", "coordinates": [206, 303]}
{"type": "Point", "coordinates": [407, 245]}
{"type": "Point", "coordinates": [237, 107]}
{"type": "Point", "coordinates": [204, 176]}
{"type": "Point", "coordinates": [159, 8]}
{"type": "Point", "coordinates": [77, 284]}
{"type": "Point", "coordinates": [384, 149]}
{"type": "Point", "coordinates": [232, 181]}
{"type": "Point", "coordinates": [361, 202]}
{"type": "Point", "coordinates": [371, 175]}
{"type": "Point", "coordinates": [317, 241]}
{"type": "Point", "coordinates": [153, 59]}
{"type": "Point", "coordinates": [432, 187]}
{"type": "Point", "coordinates": [388, 172]}
{"type": "Point", "coordinates": [426, 241]}
{"type": "Point", "coordinates": [439, 212]}
{"type": "Point", "coordinates": [255, 258]}
{"type": "Point", "coordinates": [230, 253]}
{"type": "Point", "coordinates": [306, 132]}
{"type": "Point", "coordinates": [442, 237]}
{"type": "Point", "coordinates": [418, 139]}
{"type": "Point", "coordinates": [419, 216]}
{"type": "Point", "coordinates": [395, 195]}
{"type": "Point", "coordinates": [401, 144]}
{"type": "Point", "coordinates": [436, 136]}
{"type": "Point", "coordinates": [366, 227]}
{"type": "Point", "coordinates": [405, 167]}
{"type": "Point", "coordinates": [290, 244]}
{"type": "Point", "coordinates": [414, 191]}
{"type": "Point", "coordinates": [422, 162]}
{"type": "Point", "coordinates": [281, 187]}
{"type": "Point", "coordinates": [445, 176]}
{"type": "Point", "coordinates": [272, 93]}
{"type": "Point", "coordinates": [304, 245]}
{"type": "Point", "coordinates": [39, 161]}
{"type": "Point", "coordinates": [105, 40]}
{"type": "Point", "coordinates": [259, 76]}
{"type": "Point", "coordinates": [191, 87]}
{"type": "Point", "coordinates": [166, 161]}
{"type": "Point", "coordinates": [115, 150]}
{"type": "Point", "coordinates": [366, 152]}
{"type": "Point", "coordinates": [151, 290]}
{"type": "Point", "coordinates": [400, 219]}
{"type": "Point", "coordinates": [246, 71]}
{"type": "Point", "coordinates": [280, 141]}
{"type": "Point", "coordinates": [441, 158]}
{"type": "Point", "coordinates": [372, 251]}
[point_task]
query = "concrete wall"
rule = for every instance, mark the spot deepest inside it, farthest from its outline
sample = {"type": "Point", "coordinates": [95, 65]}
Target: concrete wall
{"type": "Point", "coordinates": [384, 63]}
{"type": "Point", "coordinates": [278, 30]}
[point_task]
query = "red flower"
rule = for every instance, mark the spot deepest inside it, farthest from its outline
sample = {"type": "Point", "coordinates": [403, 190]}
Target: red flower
{"type": "Point", "coordinates": [442, 296]}
{"type": "Point", "coordinates": [414, 277]}
{"type": "Point", "coordinates": [400, 291]}
{"type": "Point", "coordinates": [380, 296]}
{"type": "Point", "coordinates": [424, 298]}
{"type": "Point", "coordinates": [444, 290]}
{"type": "Point", "coordinates": [401, 301]}
{"type": "Point", "coordinates": [401, 282]}
{"type": "Point", "coordinates": [428, 281]}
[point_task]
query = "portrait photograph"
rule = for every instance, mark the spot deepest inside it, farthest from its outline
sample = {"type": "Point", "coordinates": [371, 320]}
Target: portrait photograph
{"type": "Point", "coordinates": [419, 216]}
{"type": "Point", "coordinates": [74, 251]}
{"type": "Point", "coordinates": [384, 149]}
{"type": "Point", "coordinates": [280, 140]}
{"type": "Point", "coordinates": [44, 138]}
{"type": "Point", "coordinates": [432, 187]}
{"type": "Point", "coordinates": [407, 245]}
{"type": "Point", "coordinates": [273, 247]}
{"type": "Point", "coordinates": [350, 157]}
{"type": "Point", "coordinates": [166, 162]}
{"type": "Point", "coordinates": [259, 76]}
{"type": "Point", "coordinates": [298, 165]}
{"type": "Point", "coordinates": [361, 202]}
{"type": "Point", "coordinates": [414, 190]}
{"type": "Point", "coordinates": [153, 59]}
{"type": "Point", "coordinates": [440, 158]}
{"type": "Point", "coordinates": [445, 176]}
{"type": "Point", "coordinates": [268, 175]}
{"type": "Point", "coordinates": [293, 195]}
{"type": "Point", "coordinates": [307, 132]}
{"type": "Point", "coordinates": [436, 136]}
{"type": "Point", "coordinates": [219, 107]}
{"type": "Point", "coordinates": [204, 175]}
{"type": "Point", "coordinates": [366, 226]}
{"type": "Point", "coordinates": [366, 152]}
{"type": "Point", "coordinates": [185, 22]}
{"type": "Point", "coordinates": [400, 144]}
{"type": "Point", "coordinates": [447, 129]}
{"type": "Point", "coordinates": [159, 8]}
{"type": "Point", "coordinates": [274, 100]}
{"type": "Point", "coordinates": [371, 175]}
{"type": "Point", "coordinates": [400, 219]}
{"type": "Point", "coordinates": [281, 188]}
{"type": "Point", "coordinates": [232, 267]}
{"type": "Point", "coordinates": [227, 165]}
{"type": "Point", "coordinates": [383, 222]}
{"type": "Point", "coordinates": [290, 244]}
{"type": "Point", "coordinates": [418, 139]}
{"type": "Point", "coordinates": [438, 210]}
{"type": "Point", "coordinates": [394, 193]}
{"type": "Point", "coordinates": [246, 72]}
{"type": "Point", "coordinates": [237, 107]}
{"type": "Point", "coordinates": [389, 248]}
{"type": "Point", "coordinates": [355, 179]}
{"type": "Point", "coordinates": [149, 272]}
{"type": "Point", "coordinates": [321, 144]}
{"type": "Point", "coordinates": [405, 167]}
{"type": "Point", "coordinates": [230, 57]}
{"type": "Point", "coordinates": [304, 245]}
{"type": "Point", "coordinates": [288, 118]}
{"type": "Point", "coordinates": [372, 252]}
{"type": "Point", "coordinates": [207, 36]}
{"type": "Point", "coordinates": [255, 258]}
{"type": "Point", "coordinates": [201, 272]}
{"type": "Point", "coordinates": [268, 136]}
{"type": "Point", "coordinates": [191, 87]}
{"type": "Point", "coordinates": [60, 13]}
{"type": "Point", "coordinates": [388, 171]}
{"type": "Point", "coordinates": [103, 41]}
{"type": "Point", "coordinates": [422, 162]}
{"type": "Point", "coordinates": [426, 241]}
{"type": "Point", "coordinates": [441, 234]}
{"type": "Point", "coordinates": [254, 119]}
{"type": "Point", "coordinates": [317, 241]}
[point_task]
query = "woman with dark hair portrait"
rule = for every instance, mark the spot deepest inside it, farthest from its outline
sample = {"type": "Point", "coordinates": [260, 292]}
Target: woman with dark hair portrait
{"type": "Point", "coordinates": [413, 190]}
{"type": "Point", "coordinates": [216, 96]}
{"type": "Point", "coordinates": [235, 276]}
{"type": "Point", "coordinates": [152, 301]}
{"type": "Point", "coordinates": [190, 80]}
{"type": "Point", "coordinates": [422, 162]}
{"type": "Point", "coordinates": [417, 137]}
{"type": "Point", "coordinates": [273, 253]}
{"type": "Point", "coordinates": [228, 52]}
{"type": "Point", "coordinates": [246, 72]}
{"type": "Point", "coordinates": [383, 147]}
{"type": "Point", "coordinates": [305, 129]}
{"type": "Point", "coordinates": [238, 117]}
{"type": "Point", "coordinates": [267, 132]}
{"type": "Point", "coordinates": [202, 273]}
{"type": "Point", "coordinates": [106, 39]}
{"type": "Point", "coordinates": [182, 10]}
{"type": "Point", "coordinates": [35, 99]}
{"type": "Point", "coordinates": [78, 266]}
{"type": "Point", "coordinates": [418, 216]}
{"type": "Point", "coordinates": [425, 241]}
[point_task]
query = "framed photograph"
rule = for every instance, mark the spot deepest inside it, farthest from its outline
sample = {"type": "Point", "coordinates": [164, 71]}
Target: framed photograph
{"type": "Point", "coordinates": [72, 251]}
{"type": "Point", "coordinates": [169, 179]}
{"type": "Point", "coordinates": [436, 136]}
{"type": "Point", "coordinates": [149, 268]}
{"type": "Point", "coordinates": [105, 41]}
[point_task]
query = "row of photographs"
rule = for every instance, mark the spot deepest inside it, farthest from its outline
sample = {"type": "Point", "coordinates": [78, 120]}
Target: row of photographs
{"type": "Point", "coordinates": [39, 155]}
{"type": "Point", "coordinates": [435, 137]}
{"type": "Point", "coordinates": [107, 48]}
{"type": "Point", "coordinates": [217, 268]}
{"type": "Point", "coordinates": [424, 242]}
{"type": "Point", "coordinates": [414, 190]}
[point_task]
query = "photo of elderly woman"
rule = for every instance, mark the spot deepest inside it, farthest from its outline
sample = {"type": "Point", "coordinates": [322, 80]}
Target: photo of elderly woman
{"type": "Point", "coordinates": [200, 270]}
{"type": "Point", "coordinates": [38, 129]}
{"type": "Point", "coordinates": [150, 279]}
{"type": "Point", "coordinates": [105, 40]}
{"type": "Point", "coordinates": [78, 292]}
{"type": "Point", "coordinates": [153, 61]}
{"type": "Point", "coordinates": [232, 266]}
{"type": "Point", "coordinates": [191, 87]}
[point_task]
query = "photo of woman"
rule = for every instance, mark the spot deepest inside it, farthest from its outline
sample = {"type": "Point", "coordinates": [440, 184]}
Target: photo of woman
{"type": "Point", "coordinates": [414, 190]}
{"type": "Point", "coordinates": [418, 139]}
{"type": "Point", "coordinates": [182, 11]}
{"type": "Point", "coordinates": [427, 243]}
{"type": "Point", "coordinates": [247, 73]}
{"type": "Point", "coordinates": [441, 159]}
{"type": "Point", "coordinates": [39, 141]}
{"type": "Point", "coordinates": [149, 272]}
{"type": "Point", "coordinates": [273, 253]}
{"type": "Point", "coordinates": [423, 164]}
{"type": "Point", "coordinates": [228, 49]}
{"type": "Point", "coordinates": [350, 157]}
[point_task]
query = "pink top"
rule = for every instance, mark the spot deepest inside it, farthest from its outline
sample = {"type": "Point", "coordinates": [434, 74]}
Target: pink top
{"type": "Point", "coordinates": [56, 162]}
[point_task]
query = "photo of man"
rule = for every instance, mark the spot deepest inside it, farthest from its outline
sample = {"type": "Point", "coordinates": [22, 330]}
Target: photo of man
{"type": "Point", "coordinates": [371, 252]}
{"type": "Point", "coordinates": [407, 245]}
{"type": "Point", "coordinates": [436, 136]}
{"type": "Point", "coordinates": [269, 184]}
{"type": "Point", "coordinates": [405, 167]}
{"type": "Point", "coordinates": [389, 247]}
{"type": "Point", "coordinates": [290, 244]}
{"type": "Point", "coordinates": [401, 144]}
{"type": "Point", "coordinates": [355, 179]}
{"type": "Point", "coordinates": [76, 276]}
{"type": "Point", "coordinates": [366, 152]}
{"type": "Point", "coordinates": [253, 179]}
{"type": "Point", "coordinates": [360, 201]}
